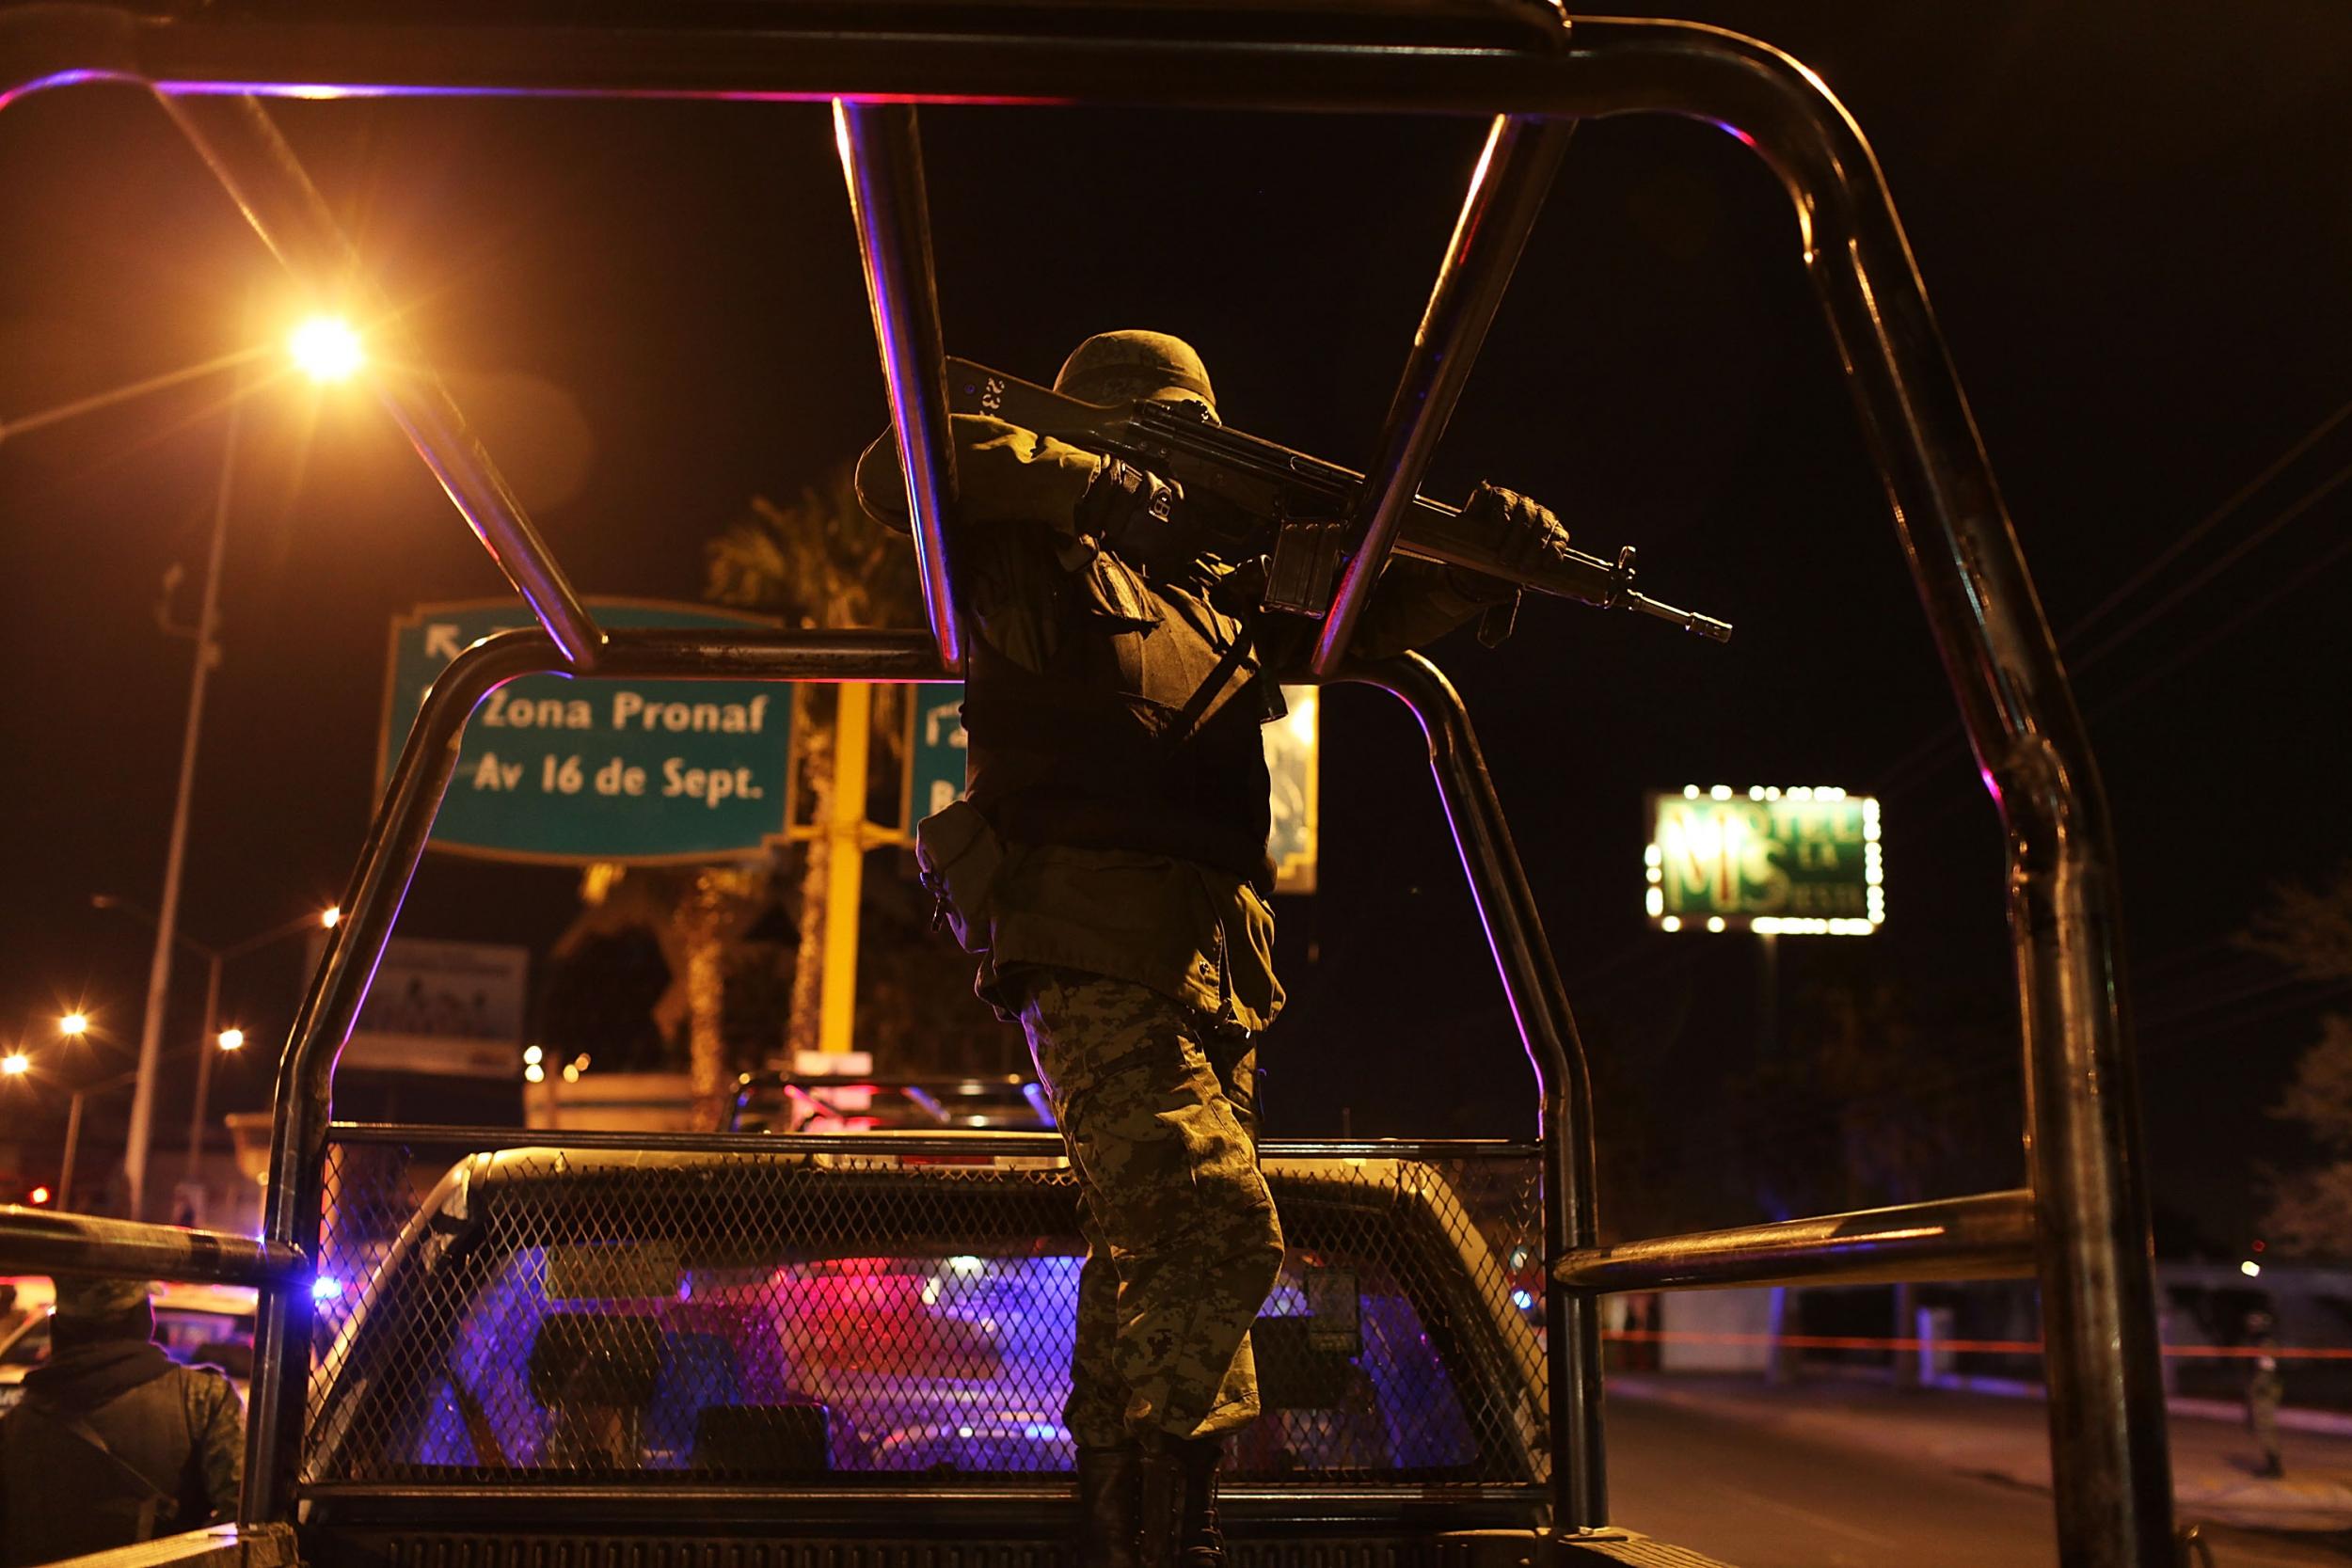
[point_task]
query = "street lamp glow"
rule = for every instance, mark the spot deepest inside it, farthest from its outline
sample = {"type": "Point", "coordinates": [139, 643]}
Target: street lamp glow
{"type": "Point", "coordinates": [232, 1039]}
{"type": "Point", "coordinates": [331, 916]}
{"type": "Point", "coordinates": [327, 348]}
{"type": "Point", "coordinates": [74, 1024]}
{"type": "Point", "coordinates": [15, 1065]}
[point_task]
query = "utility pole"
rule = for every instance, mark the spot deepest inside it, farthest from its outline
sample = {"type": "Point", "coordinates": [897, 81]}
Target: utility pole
{"type": "Point", "coordinates": [72, 1150]}
{"type": "Point", "coordinates": [142, 1128]}
{"type": "Point", "coordinates": [214, 1037]}
{"type": "Point", "coordinates": [208, 1043]}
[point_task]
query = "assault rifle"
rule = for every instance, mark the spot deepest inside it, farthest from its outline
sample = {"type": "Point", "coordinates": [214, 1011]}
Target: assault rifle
{"type": "Point", "coordinates": [1267, 499]}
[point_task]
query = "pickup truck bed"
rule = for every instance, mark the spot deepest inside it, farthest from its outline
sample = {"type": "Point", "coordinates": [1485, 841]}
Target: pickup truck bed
{"type": "Point", "coordinates": [578, 1357]}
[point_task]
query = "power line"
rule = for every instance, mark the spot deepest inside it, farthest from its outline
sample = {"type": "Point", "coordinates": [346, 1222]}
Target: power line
{"type": "Point", "coordinates": [2217, 565]}
{"type": "Point", "coordinates": [1930, 751]}
{"type": "Point", "coordinates": [2208, 523]}
{"type": "Point", "coordinates": [2204, 644]}
{"type": "Point", "coordinates": [2201, 646]}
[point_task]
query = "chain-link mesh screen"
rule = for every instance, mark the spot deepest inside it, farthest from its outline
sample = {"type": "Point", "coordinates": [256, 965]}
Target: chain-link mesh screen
{"type": "Point", "coordinates": [544, 1315]}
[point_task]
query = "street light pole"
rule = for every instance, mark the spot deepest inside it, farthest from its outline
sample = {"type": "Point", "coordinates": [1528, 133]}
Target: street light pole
{"type": "Point", "coordinates": [74, 1131]}
{"type": "Point", "coordinates": [209, 1044]}
{"type": "Point", "coordinates": [326, 351]}
{"type": "Point", "coordinates": [214, 1037]}
{"type": "Point", "coordinates": [72, 1147]}
{"type": "Point", "coordinates": [159, 969]}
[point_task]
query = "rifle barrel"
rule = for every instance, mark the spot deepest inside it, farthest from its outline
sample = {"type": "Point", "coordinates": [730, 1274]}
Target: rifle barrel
{"type": "Point", "coordinates": [1257, 474]}
{"type": "Point", "coordinates": [1432, 529]}
{"type": "Point", "coordinates": [1689, 620]}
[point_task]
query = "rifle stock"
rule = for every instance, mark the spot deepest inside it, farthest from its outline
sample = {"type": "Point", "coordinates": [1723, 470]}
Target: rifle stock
{"type": "Point", "coordinates": [1295, 507]}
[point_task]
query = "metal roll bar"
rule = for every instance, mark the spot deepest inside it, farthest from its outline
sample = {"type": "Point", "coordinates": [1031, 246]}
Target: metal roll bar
{"type": "Point", "coordinates": [881, 156]}
{"type": "Point", "coordinates": [1506, 191]}
{"type": "Point", "coordinates": [302, 1127]}
{"type": "Point", "coordinates": [2112, 1476]}
{"type": "Point", "coordinates": [1546, 1029]}
{"type": "Point", "coordinates": [1989, 1236]}
{"type": "Point", "coordinates": [293, 1201]}
{"type": "Point", "coordinates": [241, 145]}
{"type": "Point", "coordinates": [35, 1241]}
{"type": "Point", "coordinates": [975, 1141]}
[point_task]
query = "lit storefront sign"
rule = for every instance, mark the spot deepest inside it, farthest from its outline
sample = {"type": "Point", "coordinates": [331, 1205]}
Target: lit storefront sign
{"type": "Point", "coordinates": [1802, 861]}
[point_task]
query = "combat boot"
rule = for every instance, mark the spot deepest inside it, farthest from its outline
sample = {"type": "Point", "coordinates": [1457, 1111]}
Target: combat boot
{"type": "Point", "coordinates": [1180, 1528]}
{"type": "Point", "coordinates": [1109, 1495]}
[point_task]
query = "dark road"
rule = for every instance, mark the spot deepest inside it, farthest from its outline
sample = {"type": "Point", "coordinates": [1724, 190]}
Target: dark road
{"type": "Point", "coordinates": [1761, 1496]}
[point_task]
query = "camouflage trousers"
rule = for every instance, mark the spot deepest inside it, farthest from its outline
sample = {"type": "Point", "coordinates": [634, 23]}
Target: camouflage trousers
{"type": "Point", "coordinates": [1157, 1104]}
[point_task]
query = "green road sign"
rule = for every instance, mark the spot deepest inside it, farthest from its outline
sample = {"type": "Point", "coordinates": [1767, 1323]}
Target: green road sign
{"type": "Point", "coordinates": [935, 757]}
{"type": "Point", "coordinates": [1777, 861]}
{"type": "Point", "coordinates": [1292, 744]}
{"type": "Point", "coordinates": [556, 768]}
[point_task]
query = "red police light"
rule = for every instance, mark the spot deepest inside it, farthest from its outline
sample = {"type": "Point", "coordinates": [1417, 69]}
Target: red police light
{"type": "Point", "coordinates": [38, 1196]}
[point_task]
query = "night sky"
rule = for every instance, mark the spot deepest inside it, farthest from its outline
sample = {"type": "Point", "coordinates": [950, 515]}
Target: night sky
{"type": "Point", "coordinates": [2134, 223]}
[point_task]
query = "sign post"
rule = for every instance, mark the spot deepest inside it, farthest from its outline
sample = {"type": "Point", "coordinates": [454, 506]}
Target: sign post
{"type": "Point", "coordinates": [563, 770]}
{"type": "Point", "coordinates": [844, 869]}
{"type": "Point", "coordinates": [1774, 863]}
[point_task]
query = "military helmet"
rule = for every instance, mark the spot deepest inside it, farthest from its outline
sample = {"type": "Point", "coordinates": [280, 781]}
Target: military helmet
{"type": "Point", "coordinates": [82, 1296]}
{"type": "Point", "coordinates": [1121, 367]}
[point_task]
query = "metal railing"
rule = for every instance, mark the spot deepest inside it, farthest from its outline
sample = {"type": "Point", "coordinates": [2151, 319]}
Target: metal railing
{"type": "Point", "coordinates": [882, 157]}
{"type": "Point", "coordinates": [1986, 1237]}
{"type": "Point", "coordinates": [2089, 1208]}
{"type": "Point", "coordinates": [1508, 188]}
{"type": "Point", "coordinates": [37, 1240]}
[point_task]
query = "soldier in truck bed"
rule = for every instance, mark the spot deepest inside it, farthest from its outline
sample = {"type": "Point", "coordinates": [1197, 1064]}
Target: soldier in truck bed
{"type": "Point", "coordinates": [114, 1443]}
{"type": "Point", "coordinates": [1106, 866]}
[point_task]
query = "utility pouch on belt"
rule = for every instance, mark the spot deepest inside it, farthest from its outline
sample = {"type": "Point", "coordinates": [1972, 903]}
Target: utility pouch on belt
{"type": "Point", "coordinates": [960, 855]}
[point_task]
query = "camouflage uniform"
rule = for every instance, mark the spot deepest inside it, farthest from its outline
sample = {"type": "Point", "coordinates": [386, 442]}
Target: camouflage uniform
{"type": "Point", "coordinates": [1139, 977]}
{"type": "Point", "coordinates": [1159, 1107]}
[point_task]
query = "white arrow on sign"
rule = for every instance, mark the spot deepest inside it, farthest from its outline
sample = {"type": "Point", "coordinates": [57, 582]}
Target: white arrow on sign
{"type": "Point", "coordinates": [440, 639]}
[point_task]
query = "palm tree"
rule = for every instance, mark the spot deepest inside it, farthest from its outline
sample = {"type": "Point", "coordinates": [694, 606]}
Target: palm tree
{"type": "Point", "coordinates": [820, 563]}
{"type": "Point", "coordinates": [707, 922]}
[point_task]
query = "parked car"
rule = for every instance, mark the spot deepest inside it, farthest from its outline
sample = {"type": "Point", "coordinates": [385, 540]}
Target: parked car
{"type": "Point", "coordinates": [200, 1325]}
{"type": "Point", "coordinates": [799, 1102]}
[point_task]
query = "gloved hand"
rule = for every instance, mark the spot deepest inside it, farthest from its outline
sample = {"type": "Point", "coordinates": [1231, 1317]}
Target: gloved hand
{"type": "Point", "coordinates": [1527, 536]}
{"type": "Point", "coordinates": [1134, 513]}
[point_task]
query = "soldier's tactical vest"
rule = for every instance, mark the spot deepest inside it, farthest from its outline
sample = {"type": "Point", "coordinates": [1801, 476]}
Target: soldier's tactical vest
{"type": "Point", "coordinates": [79, 1482]}
{"type": "Point", "coordinates": [1141, 732]}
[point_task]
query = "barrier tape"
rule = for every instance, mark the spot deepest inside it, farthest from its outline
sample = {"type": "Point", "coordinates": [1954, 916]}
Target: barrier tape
{"type": "Point", "coordinates": [1990, 1347]}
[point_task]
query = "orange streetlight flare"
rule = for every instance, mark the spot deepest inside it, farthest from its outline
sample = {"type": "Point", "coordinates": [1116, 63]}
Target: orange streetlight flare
{"type": "Point", "coordinates": [232, 1039]}
{"type": "Point", "coordinates": [15, 1065]}
{"type": "Point", "coordinates": [331, 916]}
{"type": "Point", "coordinates": [327, 348]}
{"type": "Point", "coordinates": [75, 1025]}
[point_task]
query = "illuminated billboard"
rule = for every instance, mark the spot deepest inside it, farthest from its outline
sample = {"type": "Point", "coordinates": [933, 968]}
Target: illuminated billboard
{"type": "Point", "coordinates": [1776, 862]}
